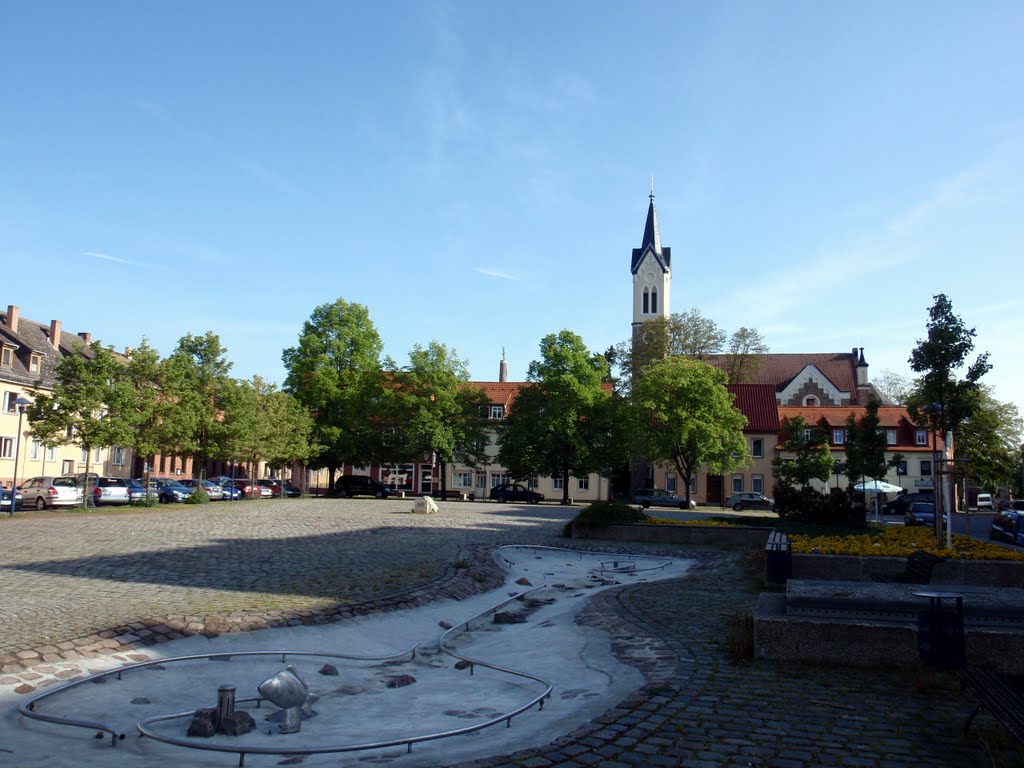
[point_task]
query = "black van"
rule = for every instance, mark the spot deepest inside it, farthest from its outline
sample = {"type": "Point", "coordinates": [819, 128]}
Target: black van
{"type": "Point", "coordinates": [901, 504]}
{"type": "Point", "coordinates": [360, 485]}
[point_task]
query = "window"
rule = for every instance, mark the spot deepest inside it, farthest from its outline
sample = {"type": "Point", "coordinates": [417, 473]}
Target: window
{"type": "Point", "coordinates": [670, 483]}
{"type": "Point", "coordinates": [757, 483]}
{"type": "Point", "coordinates": [556, 483]}
{"type": "Point", "coordinates": [693, 484]}
{"type": "Point", "coordinates": [901, 468]}
{"type": "Point", "coordinates": [10, 401]}
{"type": "Point", "coordinates": [84, 456]}
{"type": "Point", "coordinates": [809, 434]}
{"type": "Point", "coordinates": [654, 301]}
{"type": "Point", "coordinates": [7, 357]}
{"type": "Point", "coordinates": [51, 453]}
{"type": "Point", "coordinates": [533, 483]}
{"type": "Point", "coordinates": [921, 437]}
{"type": "Point", "coordinates": [498, 478]}
{"type": "Point", "coordinates": [811, 401]}
{"type": "Point", "coordinates": [34, 363]}
{"type": "Point", "coordinates": [35, 450]}
{"type": "Point", "coordinates": [462, 479]}
{"type": "Point", "coordinates": [757, 448]}
{"type": "Point", "coordinates": [926, 468]}
{"type": "Point", "coordinates": [737, 483]}
{"type": "Point", "coordinates": [97, 455]}
{"type": "Point", "coordinates": [583, 484]}
{"type": "Point", "coordinates": [838, 436]}
{"type": "Point", "coordinates": [117, 456]}
{"type": "Point", "coordinates": [6, 447]}
{"type": "Point", "coordinates": [890, 437]}
{"type": "Point", "coordinates": [647, 302]}
{"type": "Point", "coordinates": [497, 412]}
{"type": "Point", "coordinates": [481, 480]}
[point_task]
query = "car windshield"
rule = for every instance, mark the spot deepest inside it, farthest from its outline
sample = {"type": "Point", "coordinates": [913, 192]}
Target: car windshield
{"type": "Point", "coordinates": [922, 506]}
{"type": "Point", "coordinates": [64, 482]}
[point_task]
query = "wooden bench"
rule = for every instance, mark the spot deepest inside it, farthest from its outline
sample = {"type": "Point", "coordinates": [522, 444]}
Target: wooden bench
{"type": "Point", "coordinates": [920, 565]}
{"type": "Point", "coordinates": [999, 695]}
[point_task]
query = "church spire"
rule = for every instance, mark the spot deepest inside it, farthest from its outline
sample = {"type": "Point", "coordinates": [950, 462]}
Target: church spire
{"type": "Point", "coordinates": [652, 236]}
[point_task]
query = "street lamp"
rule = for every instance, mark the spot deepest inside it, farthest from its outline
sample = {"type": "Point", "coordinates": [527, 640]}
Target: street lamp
{"type": "Point", "coordinates": [21, 403]}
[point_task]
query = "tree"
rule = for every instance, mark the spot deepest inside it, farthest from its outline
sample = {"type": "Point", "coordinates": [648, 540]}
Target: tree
{"type": "Point", "coordinates": [867, 446]}
{"type": "Point", "coordinates": [143, 375]}
{"type": "Point", "coordinates": [989, 442]}
{"type": "Point", "coordinates": [89, 405]}
{"type": "Point", "coordinates": [743, 357]}
{"type": "Point", "coordinates": [895, 387]}
{"type": "Point", "coordinates": [939, 399]}
{"type": "Point", "coordinates": [810, 459]}
{"type": "Point", "coordinates": [265, 424]}
{"type": "Point", "coordinates": [683, 334]}
{"type": "Point", "coordinates": [335, 373]}
{"type": "Point", "coordinates": [440, 412]}
{"type": "Point", "coordinates": [684, 414]}
{"type": "Point", "coordinates": [545, 433]}
{"type": "Point", "coordinates": [195, 382]}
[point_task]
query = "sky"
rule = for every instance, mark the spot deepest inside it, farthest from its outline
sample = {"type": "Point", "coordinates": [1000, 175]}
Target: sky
{"type": "Point", "coordinates": [478, 173]}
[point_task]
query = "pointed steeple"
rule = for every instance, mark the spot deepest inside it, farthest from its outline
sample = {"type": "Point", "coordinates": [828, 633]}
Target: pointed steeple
{"type": "Point", "coordinates": [652, 236]}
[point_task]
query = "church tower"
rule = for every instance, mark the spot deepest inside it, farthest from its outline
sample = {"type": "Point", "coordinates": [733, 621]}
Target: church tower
{"type": "Point", "coordinates": [652, 273]}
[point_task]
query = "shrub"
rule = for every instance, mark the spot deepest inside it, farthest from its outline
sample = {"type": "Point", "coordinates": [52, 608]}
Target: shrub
{"type": "Point", "coordinates": [198, 496]}
{"type": "Point", "coordinates": [837, 507]}
{"type": "Point", "coordinates": [897, 541]}
{"type": "Point", "coordinates": [607, 513]}
{"type": "Point", "coordinates": [148, 501]}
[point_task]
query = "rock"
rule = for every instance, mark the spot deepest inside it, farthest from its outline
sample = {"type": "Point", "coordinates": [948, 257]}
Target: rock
{"type": "Point", "coordinates": [140, 700]}
{"type": "Point", "coordinates": [237, 723]}
{"type": "Point", "coordinates": [401, 681]}
{"type": "Point", "coordinates": [463, 664]}
{"type": "Point", "coordinates": [524, 582]}
{"type": "Point", "coordinates": [202, 723]}
{"type": "Point", "coordinates": [24, 688]}
{"type": "Point", "coordinates": [509, 618]}
{"type": "Point", "coordinates": [444, 625]}
{"type": "Point", "coordinates": [424, 505]}
{"type": "Point", "coordinates": [329, 670]}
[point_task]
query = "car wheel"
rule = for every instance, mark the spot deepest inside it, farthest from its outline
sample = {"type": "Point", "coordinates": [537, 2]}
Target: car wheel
{"type": "Point", "coordinates": [645, 504]}
{"type": "Point", "coordinates": [682, 505]}
{"type": "Point", "coordinates": [40, 503]}
{"type": "Point", "coordinates": [379, 495]}
{"type": "Point", "coordinates": [737, 507]}
{"type": "Point", "coordinates": [163, 499]}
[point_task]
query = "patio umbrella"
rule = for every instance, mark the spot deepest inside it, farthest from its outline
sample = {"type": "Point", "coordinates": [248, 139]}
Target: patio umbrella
{"type": "Point", "coordinates": [878, 486]}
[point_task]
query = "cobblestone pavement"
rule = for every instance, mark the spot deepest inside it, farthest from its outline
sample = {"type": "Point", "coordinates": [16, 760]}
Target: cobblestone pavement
{"type": "Point", "coordinates": [77, 586]}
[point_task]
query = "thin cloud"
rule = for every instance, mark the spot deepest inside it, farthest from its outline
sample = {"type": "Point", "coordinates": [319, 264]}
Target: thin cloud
{"type": "Point", "coordinates": [119, 260]}
{"type": "Point", "coordinates": [494, 273]}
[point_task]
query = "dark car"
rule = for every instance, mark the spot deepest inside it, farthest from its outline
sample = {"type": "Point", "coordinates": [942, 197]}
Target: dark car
{"type": "Point", "coordinates": [360, 485]}
{"type": "Point", "coordinates": [6, 495]}
{"type": "Point", "coordinates": [920, 513]}
{"type": "Point", "coordinates": [291, 491]}
{"type": "Point", "coordinates": [1008, 526]}
{"type": "Point", "coordinates": [515, 492]}
{"type": "Point", "coordinates": [749, 500]}
{"type": "Point", "coordinates": [901, 503]}
{"type": "Point", "coordinates": [655, 497]}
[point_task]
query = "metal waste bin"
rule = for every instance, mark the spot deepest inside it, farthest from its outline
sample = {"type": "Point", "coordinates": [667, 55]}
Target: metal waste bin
{"type": "Point", "coordinates": [778, 559]}
{"type": "Point", "coordinates": [940, 630]}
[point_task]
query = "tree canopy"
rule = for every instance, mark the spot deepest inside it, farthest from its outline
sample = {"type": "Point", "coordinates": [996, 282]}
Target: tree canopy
{"type": "Point", "coordinates": [683, 414]}
{"type": "Point", "coordinates": [809, 457]}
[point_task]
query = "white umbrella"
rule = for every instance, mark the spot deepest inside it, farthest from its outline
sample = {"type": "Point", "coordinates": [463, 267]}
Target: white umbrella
{"type": "Point", "coordinates": [878, 486]}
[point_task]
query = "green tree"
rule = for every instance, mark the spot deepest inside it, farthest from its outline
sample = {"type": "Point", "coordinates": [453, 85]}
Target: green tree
{"type": "Point", "coordinates": [809, 457]}
{"type": "Point", "coordinates": [683, 414]}
{"type": "Point", "coordinates": [988, 445]}
{"type": "Point", "coordinates": [143, 375]}
{"type": "Point", "coordinates": [89, 406]}
{"type": "Point", "coordinates": [939, 399]}
{"type": "Point", "coordinates": [895, 387]}
{"type": "Point", "coordinates": [335, 373]}
{"type": "Point", "coordinates": [195, 382]}
{"type": "Point", "coordinates": [544, 433]}
{"type": "Point", "coordinates": [744, 356]}
{"type": "Point", "coordinates": [867, 446]}
{"type": "Point", "coordinates": [440, 412]}
{"type": "Point", "coordinates": [265, 424]}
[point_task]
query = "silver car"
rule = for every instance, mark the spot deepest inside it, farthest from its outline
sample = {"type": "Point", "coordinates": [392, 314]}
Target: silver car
{"type": "Point", "coordinates": [214, 491]}
{"type": "Point", "coordinates": [109, 490]}
{"type": "Point", "coordinates": [49, 491]}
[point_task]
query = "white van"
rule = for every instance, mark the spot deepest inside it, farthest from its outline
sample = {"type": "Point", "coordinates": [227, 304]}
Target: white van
{"type": "Point", "coordinates": [985, 501]}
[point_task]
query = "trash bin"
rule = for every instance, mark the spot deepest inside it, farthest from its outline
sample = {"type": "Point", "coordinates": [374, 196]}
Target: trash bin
{"type": "Point", "coordinates": [778, 559]}
{"type": "Point", "coordinates": [940, 630]}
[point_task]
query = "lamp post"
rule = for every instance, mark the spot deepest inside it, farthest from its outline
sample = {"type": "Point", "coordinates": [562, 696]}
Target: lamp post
{"type": "Point", "coordinates": [22, 403]}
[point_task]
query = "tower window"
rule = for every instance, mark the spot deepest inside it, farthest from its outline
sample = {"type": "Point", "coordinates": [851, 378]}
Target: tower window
{"type": "Point", "coordinates": [654, 301]}
{"type": "Point", "coordinates": [647, 301]}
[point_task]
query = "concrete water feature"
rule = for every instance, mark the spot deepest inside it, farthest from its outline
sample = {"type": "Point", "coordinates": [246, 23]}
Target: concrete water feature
{"type": "Point", "coordinates": [470, 687]}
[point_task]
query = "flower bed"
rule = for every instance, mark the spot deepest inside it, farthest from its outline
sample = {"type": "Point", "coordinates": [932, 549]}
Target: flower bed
{"type": "Point", "coordinates": [896, 541]}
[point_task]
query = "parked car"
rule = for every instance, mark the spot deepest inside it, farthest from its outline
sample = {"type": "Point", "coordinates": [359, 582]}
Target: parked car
{"type": "Point", "coordinates": [109, 490]}
{"type": "Point", "coordinates": [1009, 526]}
{"type": "Point", "coordinates": [985, 501]}
{"type": "Point", "coordinates": [247, 488]}
{"type": "Point", "coordinates": [901, 503]}
{"type": "Point", "coordinates": [231, 493]}
{"type": "Point", "coordinates": [170, 490]}
{"type": "Point", "coordinates": [515, 492]}
{"type": "Point", "coordinates": [49, 491]}
{"type": "Point", "coordinates": [137, 491]}
{"type": "Point", "coordinates": [656, 497]}
{"type": "Point", "coordinates": [920, 513]}
{"type": "Point", "coordinates": [273, 484]}
{"type": "Point", "coordinates": [749, 500]}
{"type": "Point", "coordinates": [214, 491]}
{"type": "Point", "coordinates": [360, 485]}
{"type": "Point", "coordinates": [291, 491]}
{"type": "Point", "coordinates": [6, 497]}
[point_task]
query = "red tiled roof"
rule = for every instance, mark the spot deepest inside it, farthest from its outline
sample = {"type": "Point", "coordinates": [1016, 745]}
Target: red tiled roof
{"type": "Point", "coordinates": [500, 392]}
{"type": "Point", "coordinates": [757, 403]}
{"type": "Point", "coordinates": [835, 416]}
{"type": "Point", "coordinates": [779, 369]}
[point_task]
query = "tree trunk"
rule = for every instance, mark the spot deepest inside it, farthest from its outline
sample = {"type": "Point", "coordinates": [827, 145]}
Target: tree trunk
{"type": "Point", "coordinates": [565, 486]}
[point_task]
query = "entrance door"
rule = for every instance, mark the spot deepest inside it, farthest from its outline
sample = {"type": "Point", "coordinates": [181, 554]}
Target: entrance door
{"type": "Point", "coordinates": [426, 479]}
{"type": "Point", "coordinates": [715, 489]}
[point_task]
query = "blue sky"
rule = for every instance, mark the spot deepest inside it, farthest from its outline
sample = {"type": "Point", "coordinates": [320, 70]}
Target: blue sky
{"type": "Point", "coordinates": [477, 173]}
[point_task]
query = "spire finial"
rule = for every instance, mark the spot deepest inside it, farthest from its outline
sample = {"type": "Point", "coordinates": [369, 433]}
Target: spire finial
{"type": "Point", "coordinates": [652, 187]}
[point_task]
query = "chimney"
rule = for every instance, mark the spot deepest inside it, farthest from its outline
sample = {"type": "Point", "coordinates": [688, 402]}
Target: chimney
{"type": "Point", "coordinates": [55, 333]}
{"type": "Point", "coordinates": [503, 368]}
{"type": "Point", "coordinates": [86, 337]}
{"type": "Point", "coordinates": [12, 318]}
{"type": "Point", "coordinates": [862, 378]}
